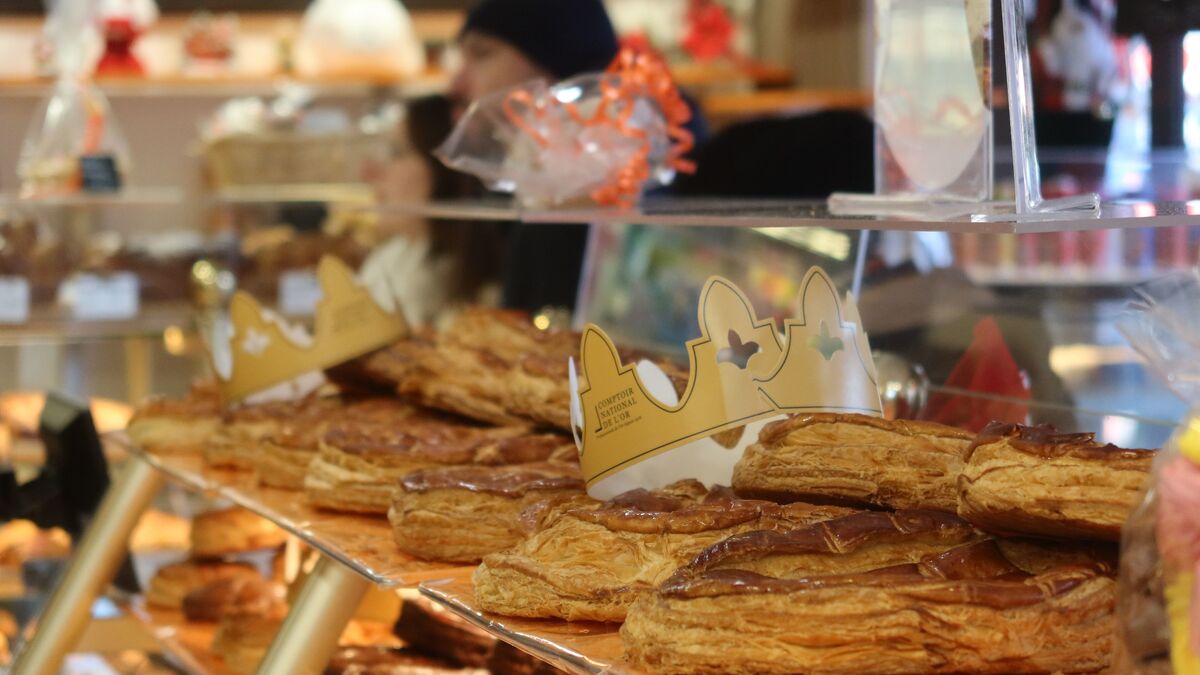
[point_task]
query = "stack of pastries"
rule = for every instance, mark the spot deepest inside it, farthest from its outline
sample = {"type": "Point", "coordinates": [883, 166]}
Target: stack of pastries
{"type": "Point", "coordinates": [457, 430]}
{"type": "Point", "coordinates": [845, 544]}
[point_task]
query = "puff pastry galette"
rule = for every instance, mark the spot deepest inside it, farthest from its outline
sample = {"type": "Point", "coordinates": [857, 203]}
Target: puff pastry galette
{"type": "Point", "coordinates": [496, 366]}
{"type": "Point", "coordinates": [855, 459]}
{"type": "Point", "coordinates": [970, 609]}
{"type": "Point", "coordinates": [1035, 481]}
{"type": "Point", "coordinates": [589, 561]}
{"type": "Point", "coordinates": [178, 426]}
{"type": "Point", "coordinates": [361, 460]}
{"type": "Point", "coordinates": [461, 514]}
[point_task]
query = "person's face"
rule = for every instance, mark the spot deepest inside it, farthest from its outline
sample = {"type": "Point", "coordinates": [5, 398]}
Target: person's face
{"type": "Point", "coordinates": [488, 65]}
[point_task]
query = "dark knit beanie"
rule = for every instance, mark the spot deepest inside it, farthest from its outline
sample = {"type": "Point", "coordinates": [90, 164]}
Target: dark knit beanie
{"type": "Point", "coordinates": [565, 37]}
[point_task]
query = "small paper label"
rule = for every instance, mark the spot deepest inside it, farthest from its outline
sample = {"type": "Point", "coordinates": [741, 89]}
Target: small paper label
{"type": "Point", "coordinates": [14, 300]}
{"type": "Point", "coordinates": [299, 292]}
{"type": "Point", "coordinates": [98, 173]}
{"type": "Point", "coordinates": [107, 298]}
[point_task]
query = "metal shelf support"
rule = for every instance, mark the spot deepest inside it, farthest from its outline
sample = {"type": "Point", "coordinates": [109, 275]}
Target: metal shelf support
{"type": "Point", "coordinates": [309, 635]}
{"type": "Point", "coordinates": [92, 567]}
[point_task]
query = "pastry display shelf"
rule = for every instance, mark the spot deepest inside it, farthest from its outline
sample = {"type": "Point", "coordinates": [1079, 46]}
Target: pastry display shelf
{"type": "Point", "coordinates": [361, 543]}
{"type": "Point", "coordinates": [578, 647]}
{"type": "Point", "coordinates": [54, 324]}
{"type": "Point", "coordinates": [130, 196]}
{"type": "Point", "coordinates": [760, 213]}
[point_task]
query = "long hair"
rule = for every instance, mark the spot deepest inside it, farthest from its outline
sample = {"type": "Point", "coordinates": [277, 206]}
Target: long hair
{"type": "Point", "coordinates": [477, 247]}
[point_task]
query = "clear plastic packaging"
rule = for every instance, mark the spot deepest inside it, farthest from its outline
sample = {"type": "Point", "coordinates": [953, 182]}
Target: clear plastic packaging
{"type": "Point", "coordinates": [599, 136]}
{"type": "Point", "coordinates": [75, 122]}
{"type": "Point", "coordinates": [1158, 606]}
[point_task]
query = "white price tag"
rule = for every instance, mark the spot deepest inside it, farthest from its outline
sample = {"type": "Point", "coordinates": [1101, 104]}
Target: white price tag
{"type": "Point", "coordinates": [103, 298]}
{"type": "Point", "coordinates": [14, 299]}
{"type": "Point", "coordinates": [299, 292]}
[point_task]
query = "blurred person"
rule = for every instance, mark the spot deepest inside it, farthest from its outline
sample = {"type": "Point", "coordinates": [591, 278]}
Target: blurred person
{"type": "Point", "coordinates": [505, 43]}
{"type": "Point", "coordinates": [433, 268]}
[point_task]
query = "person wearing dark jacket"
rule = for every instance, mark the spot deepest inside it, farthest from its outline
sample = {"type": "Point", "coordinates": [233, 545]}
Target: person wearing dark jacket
{"type": "Point", "coordinates": [505, 43]}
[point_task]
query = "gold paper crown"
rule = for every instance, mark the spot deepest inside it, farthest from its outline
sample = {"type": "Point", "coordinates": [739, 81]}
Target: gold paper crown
{"type": "Point", "coordinates": [263, 351]}
{"type": "Point", "coordinates": [740, 371]}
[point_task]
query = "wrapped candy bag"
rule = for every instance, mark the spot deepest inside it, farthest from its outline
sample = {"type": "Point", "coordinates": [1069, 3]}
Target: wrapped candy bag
{"type": "Point", "coordinates": [599, 136]}
{"type": "Point", "coordinates": [73, 142]}
{"type": "Point", "coordinates": [1158, 606]}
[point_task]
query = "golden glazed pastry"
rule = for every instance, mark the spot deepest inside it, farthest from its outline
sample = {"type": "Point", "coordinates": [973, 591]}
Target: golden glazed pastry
{"type": "Point", "coordinates": [234, 595]}
{"type": "Point", "coordinates": [282, 458]}
{"type": "Point", "coordinates": [171, 584]}
{"type": "Point", "coordinates": [233, 530]}
{"type": "Point", "coordinates": [178, 426]}
{"type": "Point", "coordinates": [496, 366]}
{"type": "Point", "coordinates": [967, 610]}
{"type": "Point", "coordinates": [386, 369]}
{"type": "Point", "coordinates": [590, 562]}
{"type": "Point", "coordinates": [243, 429]}
{"type": "Point", "coordinates": [858, 542]}
{"type": "Point", "coordinates": [855, 459]}
{"type": "Point", "coordinates": [461, 514]}
{"type": "Point", "coordinates": [1023, 480]}
{"type": "Point", "coordinates": [360, 461]}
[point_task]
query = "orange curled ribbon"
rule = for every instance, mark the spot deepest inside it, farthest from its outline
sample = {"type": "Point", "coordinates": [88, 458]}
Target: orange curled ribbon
{"type": "Point", "coordinates": [631, 75]}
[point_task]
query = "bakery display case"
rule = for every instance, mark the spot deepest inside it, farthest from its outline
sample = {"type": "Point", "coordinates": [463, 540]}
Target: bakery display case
{"type": "Point", "coordinates": [909, 431]}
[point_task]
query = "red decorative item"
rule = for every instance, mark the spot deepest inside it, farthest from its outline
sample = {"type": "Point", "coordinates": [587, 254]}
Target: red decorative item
{"type": "Point", "coordinates": [119, 35]}
{"type": "Point", "coordinates": [987, 367]}
{"type": "Point", "coordinates": [710, 30]}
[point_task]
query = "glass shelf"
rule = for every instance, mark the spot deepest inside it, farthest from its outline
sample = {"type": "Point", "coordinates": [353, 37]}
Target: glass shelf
{"type": "Point", "coordinates": [362, 543]}
{"type": "Point", "coordinates": [54, 324]}
{"type": "Point", "coordinates": [578, 647]}
{"type": "Point", "coordinates": [131, 196]}
{"type": "Point", "coordinates": [759, 213]}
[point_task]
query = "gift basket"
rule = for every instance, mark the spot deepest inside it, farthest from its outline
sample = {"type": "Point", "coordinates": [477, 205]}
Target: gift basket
{"type": "Point", "coordinates": [289, 141]}
{"type": "Point", "coordinates": [599, 137]}
{"type": "Point", "coordinates": [1158, 607]}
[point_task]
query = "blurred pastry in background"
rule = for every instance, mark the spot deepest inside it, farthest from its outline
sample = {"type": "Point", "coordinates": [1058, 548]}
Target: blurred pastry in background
{"type": "Point", "coordinates": [234, 530]}
{"type": "Point", "coordinates": [171, 584]}
{"type": "Point", "coordinates": [22, 540]}
{"type": "Point", "coordinates": [160, 531]}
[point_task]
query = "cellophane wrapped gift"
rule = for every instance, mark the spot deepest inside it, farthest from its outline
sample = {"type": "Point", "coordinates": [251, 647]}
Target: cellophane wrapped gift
{"type": "Point", "coordinates": [75, 121]}
{"type": "Point", "coordinates": [604, 137]}
{"type": "Point", "coordinates": [1158, 607]}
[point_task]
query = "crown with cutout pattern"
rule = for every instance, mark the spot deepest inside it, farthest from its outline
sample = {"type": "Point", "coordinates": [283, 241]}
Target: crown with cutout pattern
{"type": "Point", "coordinates": [741, 370]}
{"type": "Point", "coordinates": [263, 351]}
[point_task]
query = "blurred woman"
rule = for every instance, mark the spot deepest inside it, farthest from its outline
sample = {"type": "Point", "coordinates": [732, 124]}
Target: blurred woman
{"type": "Point", "coordinates": [432, 266]}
